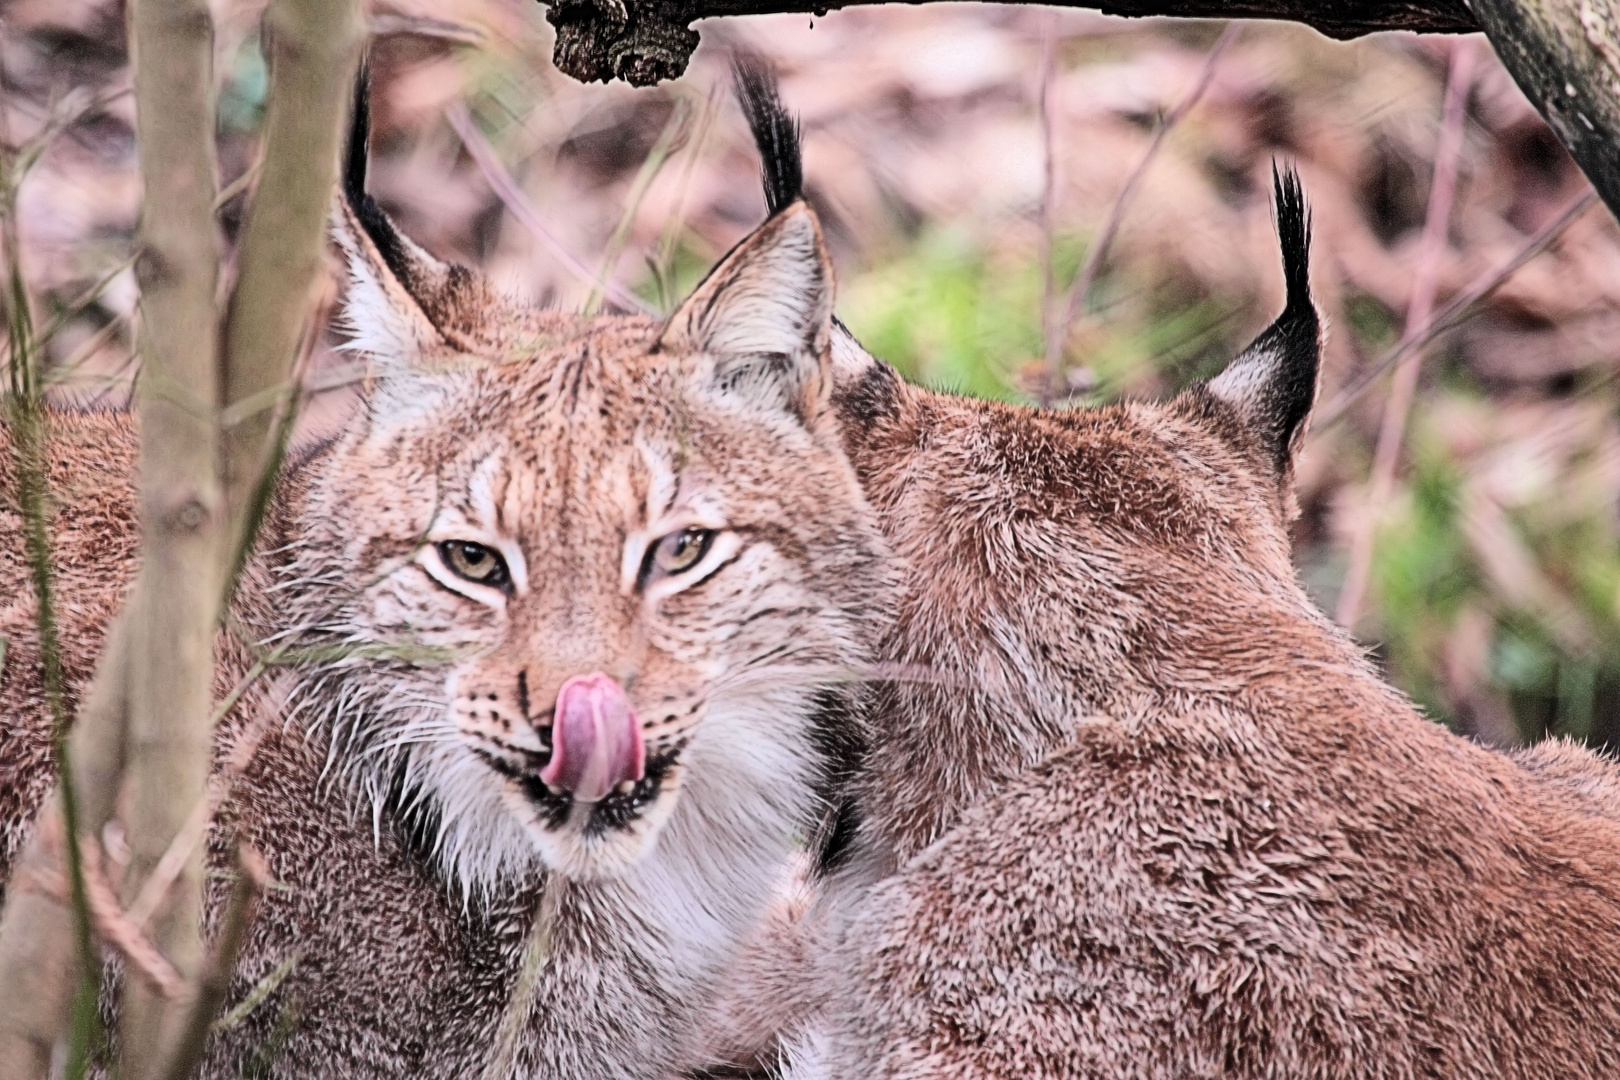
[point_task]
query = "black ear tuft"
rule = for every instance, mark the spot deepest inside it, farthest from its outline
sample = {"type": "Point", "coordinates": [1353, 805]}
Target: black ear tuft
{"type": "Point", "coordinates": [1294, 233]}
{"type": "Point", "coordinates": [1272, 383]}
{"type": "Point", "coordinates": [356, 164]}
{"type": "Point", "coordinates": [357, 156]}
{"type": "Point", "coordinates": [776, 131]}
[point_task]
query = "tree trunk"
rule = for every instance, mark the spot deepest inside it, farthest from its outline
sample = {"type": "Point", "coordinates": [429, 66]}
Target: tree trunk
{"type": "Point", "coordinates": [1565, 56]}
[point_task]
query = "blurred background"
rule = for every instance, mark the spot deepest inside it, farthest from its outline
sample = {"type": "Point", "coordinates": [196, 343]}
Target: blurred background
{"type": "Point", "coordinates": [955, 152]}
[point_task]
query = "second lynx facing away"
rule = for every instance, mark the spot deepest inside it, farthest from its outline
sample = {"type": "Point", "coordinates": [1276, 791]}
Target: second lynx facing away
{"type": "Point", "coordinates": [1158, 817]}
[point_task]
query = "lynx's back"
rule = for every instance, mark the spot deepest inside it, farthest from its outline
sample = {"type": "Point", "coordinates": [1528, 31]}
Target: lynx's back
{"type": "Point", "coordinates": [1154, 815]}
{"type": "Point", "coordinates": [1181, 827]}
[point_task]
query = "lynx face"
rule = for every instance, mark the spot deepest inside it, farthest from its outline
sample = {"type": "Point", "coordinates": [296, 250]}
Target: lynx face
{"type": "Point", "coordinates": [581, 580]}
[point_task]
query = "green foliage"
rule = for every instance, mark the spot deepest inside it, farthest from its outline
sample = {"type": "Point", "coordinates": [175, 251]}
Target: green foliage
{"type": "Point", "coordinates": [964, 316]}
{"type": "Point", "coordinates": [1554, 647]}
{"type": "Point", "coordinates": [948, 316]}
{"type": "Point", "coordinates": [243, 98]}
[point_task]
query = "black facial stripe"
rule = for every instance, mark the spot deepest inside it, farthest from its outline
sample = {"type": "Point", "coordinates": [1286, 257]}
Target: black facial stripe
{"type": "Point", "coordinates": [839, 736]}
{"type": "Point", "coordinates": [418, 819]}
{"type": "Point", "coordinates": [838, 844]}
{"type": "Point", "coordinates": [721, 565]}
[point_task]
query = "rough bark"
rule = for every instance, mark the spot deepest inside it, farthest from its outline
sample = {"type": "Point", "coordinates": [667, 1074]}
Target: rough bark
{"type": "Point", "coordinates": [183, 516]}
{"type": "Point", "coordinates": [644, 41]}
{"type": "Point", "coordinates": [1565, 56]}
{"type": "Point", "coordinates": [314, 47]}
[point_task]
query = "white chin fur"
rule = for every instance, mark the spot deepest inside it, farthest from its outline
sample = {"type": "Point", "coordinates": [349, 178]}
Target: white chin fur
{"type": "Point", "coordinates": [737, 797]}
{"type": "Point", "coordinates": [805, 1057]}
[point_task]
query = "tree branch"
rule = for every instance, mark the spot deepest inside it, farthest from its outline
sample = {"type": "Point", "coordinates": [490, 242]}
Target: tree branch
{"type": "Point", "coordinates": [183, 521]}
{"type": "Point", "coordinates": [314, 49]}
{"type": "Point", "coordinates": [645, 41]}
{"type": "Point", "coordinates": [1565, 56]}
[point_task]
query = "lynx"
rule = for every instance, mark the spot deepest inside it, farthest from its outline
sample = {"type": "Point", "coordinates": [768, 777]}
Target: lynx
{"type": "Point", "coordinates": [1157, 816]}
{"type": "Point", "coordinates": [581, 605]}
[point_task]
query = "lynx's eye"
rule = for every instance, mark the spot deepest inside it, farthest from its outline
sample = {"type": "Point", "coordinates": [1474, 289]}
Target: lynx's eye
{"type": "Point", "coordinates": [475, 562]}
{"type": "Point", "coordinates": [679, 552]}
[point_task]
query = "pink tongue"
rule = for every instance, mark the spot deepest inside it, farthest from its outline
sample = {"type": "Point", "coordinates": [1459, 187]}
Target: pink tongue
{"type": "Point", "coordinates": [595, 738]}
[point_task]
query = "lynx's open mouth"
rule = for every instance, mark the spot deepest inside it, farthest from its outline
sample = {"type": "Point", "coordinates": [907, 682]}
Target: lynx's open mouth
{"type": "Point", "coordinates": [593, 770]}
{"type": "Point", "coordinates": [628, 799]}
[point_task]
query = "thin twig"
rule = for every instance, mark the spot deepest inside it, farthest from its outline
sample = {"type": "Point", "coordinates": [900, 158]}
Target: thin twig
{"type": "Point", "coordinates": [27, 421]}
{"type": "Point", "coordinates": [240, 184]}
{"type": "Point", "coordinates": [536, 954]}
{"type": "Point", "coordinates": [82, 302]}
{"type": "Point", "coordinates": [1080, 291]}
{"type": "Point", "coordinates": [665, 251]}
{"type": "Point", "coordinates": [117, 929]}
{"type": "Point", "coordinates": [259, 994]}
{"type": "Point", "coordinates": [669, 141]}
{"type": "Point", "coordinates": [1456, 308]}
{"type": "Point", "coordinates": [1431, 249]}
{"type": "Point", "coordinates": [73, 107]}
{"type": "Point", "coordinates": [507, 190]}
{"type": "Point", "coordinates": [215, 982]}
{"type": "Point", "coordinates": [385, 24]}
{"type": "Point", "coordinates": [1049, 315]}
{"type": "Point", "coordinates": [64, 371]}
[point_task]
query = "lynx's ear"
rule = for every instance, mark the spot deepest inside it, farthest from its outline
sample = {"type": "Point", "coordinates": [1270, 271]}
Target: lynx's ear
{"type": "Point", "coordinates": [1272, 383]}
{"type": "Point", "coordinates": [401, 300]}
{"type": "Point", "coordinates": [762, 319]}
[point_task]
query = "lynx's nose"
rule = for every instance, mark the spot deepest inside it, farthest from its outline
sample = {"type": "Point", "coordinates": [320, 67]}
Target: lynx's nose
{"type": "Point", "coordinates": [595, 738]}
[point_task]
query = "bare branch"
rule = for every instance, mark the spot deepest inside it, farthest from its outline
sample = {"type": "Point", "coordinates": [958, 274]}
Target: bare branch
{"type": "Point", "coordinates": [1456, 308]}
{"type": "Point", "coordinates": [216, 981]}
{"type": "Point", "coordinates": [669, 141]}
{"type": "Point", "coordinates": [1565, 56]}
{"type": "Point", "coordinates": [259, 994]}
{"type": "Point", "coordinates": [507, 190]}
{"type": "Point", "coordinates": [1431, 248]}
{"type": "Point", "coordinates": [645, 41]}
{"type": "Point", "coordinates": [183, 510]}
{"type": "Point", "coordinates": [1049, 318]}
{"type": "Point", "coordinates": [118, 930]}
{"type": "Point", "coordinates": [314, 51]}
{"type": "Point", "coordinates": [1080, 291]}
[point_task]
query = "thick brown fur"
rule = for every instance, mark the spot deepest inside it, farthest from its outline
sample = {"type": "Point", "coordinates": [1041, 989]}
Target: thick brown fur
{"type": "Point", "coordinates": [1152, 815]}
{"type": "Point", "coordinates": [1177, 826]}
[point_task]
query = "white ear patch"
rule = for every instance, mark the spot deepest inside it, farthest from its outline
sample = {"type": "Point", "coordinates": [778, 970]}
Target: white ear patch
{"type": "Point", "coordinates": [381, 319]}
{"type": "Point", "coordinates": [763, 317]}
{"type": "Point", "coordinates": [777, 302]}
{"type": "Point", "coordinates": [1247, 380]}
